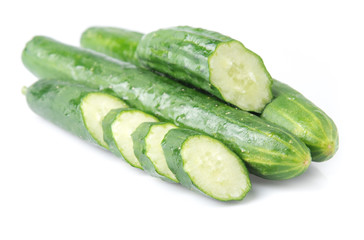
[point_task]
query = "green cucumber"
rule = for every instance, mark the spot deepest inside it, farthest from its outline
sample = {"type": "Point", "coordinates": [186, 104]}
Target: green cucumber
{"type": "Point", "coordinates": [301, 116]}
{"type": "Point", "coordinates": [205, 164]}
{"type": "Point", "coordinates": [204, 59]}
{"type": "Point", "coordinates": [147, 139]}
{"type": "Point", "coordinates": [119, 46]}
{"type": "Point", "coordinates": [291, 110]}
{"type": "Point", "coordinates": [72, 106]}
{"type": "Point", "coordinates": [118, 125]}
{"type": "Point", "coordinates": [269, 151]}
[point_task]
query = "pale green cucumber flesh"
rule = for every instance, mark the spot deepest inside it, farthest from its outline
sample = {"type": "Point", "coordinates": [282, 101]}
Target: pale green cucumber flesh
{"type": "Point", "coordinates": [240, 76]}
{"type": "Point", "coordinates": [122, 128]}
{"type": "Point", "coordinates": [214, 169]}
{"type": "Point", "coordinates": [154, 149]}
{"type": "Point", "coordinates": [94, 107]}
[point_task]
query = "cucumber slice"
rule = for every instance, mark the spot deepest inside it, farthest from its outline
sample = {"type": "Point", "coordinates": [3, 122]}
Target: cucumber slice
{"type": "Point", "coordinates": [147, 140]}
{"type": "Point", "coordinates": [205, 164]}
{"type": "Point", "coordinates": [118, 126]}
{"type": "Point", "coordinates": [239, 76]}
{"type": "Point", "coordinates": [94, 108]}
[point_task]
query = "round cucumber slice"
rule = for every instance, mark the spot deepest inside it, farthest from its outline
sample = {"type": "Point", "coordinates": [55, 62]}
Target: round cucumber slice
{"type": "Point", "coordinates": [205, 164]}
{"type": "Point", "coordinates": [240, 76]}
{"type": "Point", "coordinates": [118, 126]}
{"type": "Point", "coordinates": [147, 140]}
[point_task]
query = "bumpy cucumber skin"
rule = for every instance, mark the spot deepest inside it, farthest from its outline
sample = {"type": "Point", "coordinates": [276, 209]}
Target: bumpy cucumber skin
{"type": "Point", "coordinates": [139, 144]}
{"type": "Point", "coordinates": [108, 40]}
{"type": "Point", "coordinates": [266, 149]}
{"type": "Point", "coordinates": [60, 103]}
{"type": "Point", "coordinates": [183, 53]}
{"type": "Point", "coordinates": [291, 110]}
{"type": "Point", "coordinates": [172, 145]}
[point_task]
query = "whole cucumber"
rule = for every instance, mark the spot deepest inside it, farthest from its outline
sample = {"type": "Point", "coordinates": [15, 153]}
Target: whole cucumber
{"type": "Point", "coordinates": [291, 110]}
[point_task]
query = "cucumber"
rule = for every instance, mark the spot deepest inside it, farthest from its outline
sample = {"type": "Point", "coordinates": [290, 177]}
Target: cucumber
{"type": "Point", "coordinates": [269, 151]}
{"type": "Point", "coordinates": [291, 110]}
{"type": "Point", "coordinates": [118, 125]}
{"type": "Point", "coordinates": [300, 116]}
{"type": "Point", "coordinates": [204, 59]}
{"type": "Point", "coordinates": [73, 106]}
{"type": "Point", "coordinates": [118, 46]}
{"type": "Point", "coordinates": [147, 139]}
{"type": "Point", "coordinates": [205, 164]}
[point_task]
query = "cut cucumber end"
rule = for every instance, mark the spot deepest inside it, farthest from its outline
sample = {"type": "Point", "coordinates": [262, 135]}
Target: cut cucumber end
{"type": "Point", "coordinates": [94, 108]}
{"type": "Point", "coordinates": [214, 169]}
{"type": "Point", "coordinates": [124, 125]}
{"type": "Point", "coordinates": [240, 76]}
{"type": "Point", "coordinates": [155, 152]}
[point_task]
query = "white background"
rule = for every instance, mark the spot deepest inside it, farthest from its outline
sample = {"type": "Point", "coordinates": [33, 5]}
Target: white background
{"type": "Point", "coordinates": [55, 186]}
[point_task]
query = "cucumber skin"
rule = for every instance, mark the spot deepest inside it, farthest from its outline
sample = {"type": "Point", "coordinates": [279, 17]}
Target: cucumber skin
{"type": "Point", "coordinates": [291, 110]}
{"type": "Point", "coordinates": [266, 149]}
{"type": "Point", "coordinates": [172, 145]}
{"type": "Point", "coordinates": [141, 54]}
{"type": "Point", "coordinates": [108, 136]}
{"type": "Point", "coordinates": [158, 51]}
{"type": "Point", "coordinates": [118, 46]}
{"type": "Point", "coordinates": [139, 144]}
{"type": "Point", "coordinates": [60, 103]}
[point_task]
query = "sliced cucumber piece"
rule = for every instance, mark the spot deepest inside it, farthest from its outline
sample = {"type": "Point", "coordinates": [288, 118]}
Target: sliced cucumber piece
{"type": "Point", "coordinates": [201, 58]}
{"type": "Point", "coordinates": [147, 140]}
{"type": "Point", "coordinates": [240, 76]}
{"type": "Point", "coordinates": [94, 108]}
{"type": "Point", "coordinates": [118, 126]}
{"type": "Point", "coordinates": [205, 164]}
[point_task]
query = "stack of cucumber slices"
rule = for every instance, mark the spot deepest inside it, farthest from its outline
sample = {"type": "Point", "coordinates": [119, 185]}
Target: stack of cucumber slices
{"type": "Point", "coordinates": [187, 105]}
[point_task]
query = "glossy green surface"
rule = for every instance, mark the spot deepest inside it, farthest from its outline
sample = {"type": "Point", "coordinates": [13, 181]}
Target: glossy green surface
{"type": "Point", "coordinates": [291, 110]}
{"type": "Point", "coordinates": [59, 102]}
{"type": "Point", "coordinates": [109, 41]}
{"type": "Point", "coordinates": [172, 145]}
{"type": "Point", "coordinates": [139, 136]}
{"type": "Point", "coordinates": [180, 52]}
{"type": "Point", "coordinates": [268, 150]}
